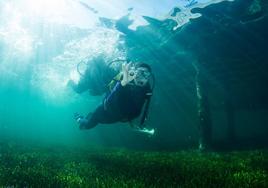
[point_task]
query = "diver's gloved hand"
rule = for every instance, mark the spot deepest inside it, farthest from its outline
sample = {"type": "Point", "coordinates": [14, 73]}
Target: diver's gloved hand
{"type": "Point", "coordinates": [81, 120]}
{"type": "Point", "coordinates": [128, 73]}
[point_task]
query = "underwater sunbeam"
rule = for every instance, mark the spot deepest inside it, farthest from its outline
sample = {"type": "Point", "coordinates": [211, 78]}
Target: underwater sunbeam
{"type": "Point", "coordinates": [45, 7]}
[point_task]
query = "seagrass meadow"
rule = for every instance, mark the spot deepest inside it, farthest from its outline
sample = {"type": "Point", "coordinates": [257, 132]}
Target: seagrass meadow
{"type": "Point", "coordinates": [42, 166]}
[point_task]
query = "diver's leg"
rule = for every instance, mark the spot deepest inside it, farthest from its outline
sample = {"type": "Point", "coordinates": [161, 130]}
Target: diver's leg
{"type": "Point", "coordinates": [99, 116]}
{"type": "Point", "coordinates": [92, 119]}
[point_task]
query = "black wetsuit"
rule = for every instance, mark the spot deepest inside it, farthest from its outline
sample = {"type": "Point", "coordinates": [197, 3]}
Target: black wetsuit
{"type": "Point", "coordinates": [121, 104]}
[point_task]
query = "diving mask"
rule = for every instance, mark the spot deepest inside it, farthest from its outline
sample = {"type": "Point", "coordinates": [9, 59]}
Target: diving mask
{"type": "Point", "coordinates": [142, 76]}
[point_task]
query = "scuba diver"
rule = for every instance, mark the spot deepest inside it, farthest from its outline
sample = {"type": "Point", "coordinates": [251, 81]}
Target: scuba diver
{"type": "Point", "coordinates": [128, 96]}
{"type": "Point", "coordinates": [95, 78]}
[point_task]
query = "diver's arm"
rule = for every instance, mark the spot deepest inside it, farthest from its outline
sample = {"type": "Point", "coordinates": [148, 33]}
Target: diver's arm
{"type": "Point", "coordinates": [145, 112]}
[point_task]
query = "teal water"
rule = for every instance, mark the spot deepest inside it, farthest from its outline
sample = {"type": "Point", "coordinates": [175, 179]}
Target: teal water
{"type": "Point", "coordinates": [40, 50]}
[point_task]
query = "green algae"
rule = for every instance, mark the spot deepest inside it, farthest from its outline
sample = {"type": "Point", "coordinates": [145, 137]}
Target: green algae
{"type": "Point", "coordinates": [28, 166]}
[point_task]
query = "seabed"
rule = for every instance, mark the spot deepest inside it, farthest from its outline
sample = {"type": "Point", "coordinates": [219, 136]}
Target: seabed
{"type": "Point", "coordinates": [43, 166]}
